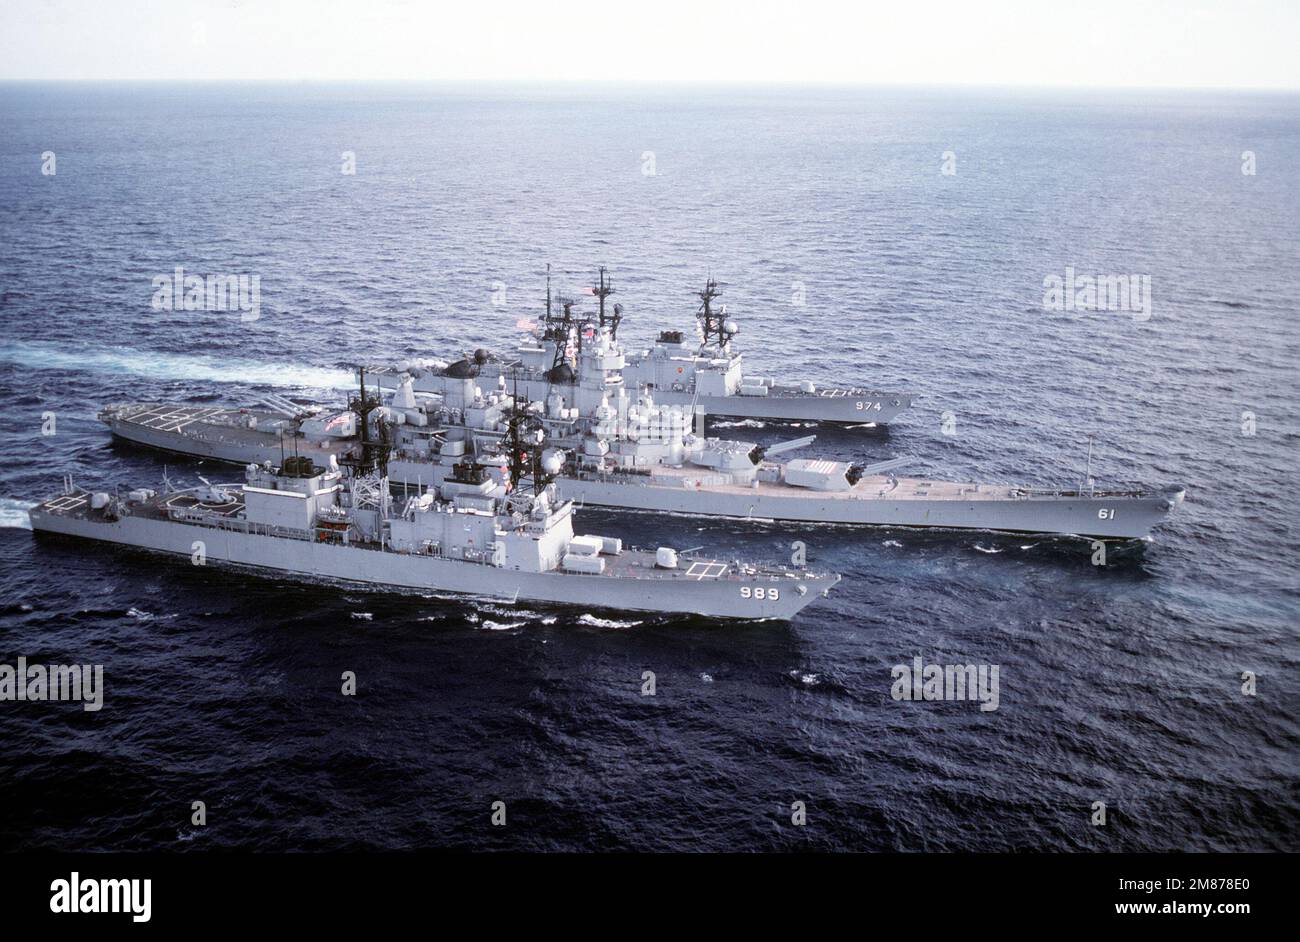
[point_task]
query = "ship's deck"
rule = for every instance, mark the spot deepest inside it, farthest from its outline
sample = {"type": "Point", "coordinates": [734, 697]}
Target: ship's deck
{"type": "Point", "coordinates": [155, 508]}
{"type": "Point", "coordinates": [160, 505]}
{"type": "Point", "coordinates": [833, 392]}
{"type": "Point", "coordinates": [68, 505]}
{"type": "Point", "coordinates": [211, 424]}
{"type": "Point", "coordinates": [163, 417]}
{"type": "Point", "coordinates": [640, 564]}
{"type": "Point", "coordinates": [876, 487]}
{"type": "Point", "coordinates": [629, 564]}
{"type": "Point", "coordinates": [873, 487]}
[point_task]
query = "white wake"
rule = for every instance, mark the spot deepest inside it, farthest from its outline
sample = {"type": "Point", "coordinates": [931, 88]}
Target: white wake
{"type": "Point", "coordinates": [173, 366]}
{"type": "Point", "coordinates": [13, 513]}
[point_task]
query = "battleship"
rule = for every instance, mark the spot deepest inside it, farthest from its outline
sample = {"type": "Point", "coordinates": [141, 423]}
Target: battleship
{"type": "Point", "coordinates": [508, 539]}
{"type": "Point", "coordinates": [613, 451]}
{"type": "Point", "coordinates": [706, 373]}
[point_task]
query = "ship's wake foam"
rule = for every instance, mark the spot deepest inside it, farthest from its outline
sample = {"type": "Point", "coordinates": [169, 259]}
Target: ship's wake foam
{"type": "Point", "coordinates": [171, 366]}
{"type": "Point", "coordinates": [490, 625]}
{"type": "Point", "coordinates": [595, 622]}
{"type": "Point", "coordinates": [13, 513]}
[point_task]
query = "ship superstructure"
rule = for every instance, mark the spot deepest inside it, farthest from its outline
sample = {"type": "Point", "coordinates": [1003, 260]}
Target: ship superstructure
{"type": "Point", "coordinates": [504, 537]}
{"type": "Point", "coordinates": [644, 456]}
{"type": "Point", "coordinates": [705, 373]}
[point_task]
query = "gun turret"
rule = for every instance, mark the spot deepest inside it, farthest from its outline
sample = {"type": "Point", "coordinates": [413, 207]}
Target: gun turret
{"type": "Point", "coordinates": [858, 471]}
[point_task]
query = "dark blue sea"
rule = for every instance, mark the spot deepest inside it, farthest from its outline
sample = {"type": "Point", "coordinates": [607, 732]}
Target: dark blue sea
{"type": "Point", "coordinates": [1120, 684]}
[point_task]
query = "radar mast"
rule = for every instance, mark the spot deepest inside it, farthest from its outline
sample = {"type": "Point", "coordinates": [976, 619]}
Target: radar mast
{"type": "Point", "coordinates": [712, 323]}
{"type": "Point", "coordinates": [526, 436]}
{"type": "Point", "coordinates": [374, 453]}
{"type": "Point", "coordinates": [603, 288]}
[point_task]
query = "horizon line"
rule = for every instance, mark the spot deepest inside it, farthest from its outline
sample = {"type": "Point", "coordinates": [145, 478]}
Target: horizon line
{"type": "Point", "coordinates": [809, 84]}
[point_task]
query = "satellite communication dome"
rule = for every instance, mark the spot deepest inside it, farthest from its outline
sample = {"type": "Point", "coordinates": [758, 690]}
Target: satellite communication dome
{"type": "Point", "coordinates": [552, 460]}
{"type": "Point", "coordinates": [461, 369]}
{"type": "Point", "coordinates": [731, 327]}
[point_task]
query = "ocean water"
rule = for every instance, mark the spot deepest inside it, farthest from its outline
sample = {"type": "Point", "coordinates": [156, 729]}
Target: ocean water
{"type": "Point", "coordinates": [1120, 683]}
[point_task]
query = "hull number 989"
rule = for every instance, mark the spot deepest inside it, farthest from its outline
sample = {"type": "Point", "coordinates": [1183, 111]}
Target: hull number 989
{"type": "Point", "coordinates": [772, 595]}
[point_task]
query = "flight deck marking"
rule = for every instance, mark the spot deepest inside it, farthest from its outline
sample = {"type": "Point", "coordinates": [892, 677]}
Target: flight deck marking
{"type": "Point", "coordinates": [173, 419]}
{"type": "Point", "coordinates": [703, 571]}
{"type": "Point", "coordinates": [66, 503]}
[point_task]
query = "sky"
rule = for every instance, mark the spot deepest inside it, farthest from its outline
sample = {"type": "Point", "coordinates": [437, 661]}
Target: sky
{"type": "Point", "coordinates": [1028, 43]}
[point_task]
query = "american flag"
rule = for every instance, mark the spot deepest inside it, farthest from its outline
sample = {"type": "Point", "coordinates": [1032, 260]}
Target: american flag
{"type": "Point", "coordinates": [525, 324]}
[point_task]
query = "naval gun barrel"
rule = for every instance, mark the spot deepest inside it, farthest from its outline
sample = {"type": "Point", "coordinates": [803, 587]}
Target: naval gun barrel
{"type": "Point", "coordinates": [281, 405]}
{"type": "Point", "coordinates": [880, 467]}
{"type": "Point", "coordinates": [759, 452]}
{"type": "Point", "coordinates": [858, 471]}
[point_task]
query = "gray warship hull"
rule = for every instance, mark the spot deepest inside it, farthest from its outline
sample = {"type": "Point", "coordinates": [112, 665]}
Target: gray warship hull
{"type": "Point", "coordinates": [210, 432]}
{"type": "Point", "coordinates": [686, 591]}
{"type": "Point", "coordinates": [780, 403]}
{"type": "Point", "coordinates": [879, 502]}
{"type": "Point", "coordinates": [791, 404]}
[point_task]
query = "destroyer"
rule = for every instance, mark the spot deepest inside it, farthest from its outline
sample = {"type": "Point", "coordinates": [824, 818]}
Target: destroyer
{"type": "Point", "coordinates": [707, 374]}
{"type": "Point", "coordinates": [474, 534]}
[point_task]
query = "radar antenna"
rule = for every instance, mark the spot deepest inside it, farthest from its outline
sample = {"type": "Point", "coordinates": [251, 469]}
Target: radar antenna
{"type": "Point", "coordinates": [526, 435]}
{"type": "Point", "coordinates": [603, 288]}
{"type": "Point", "coordinates": [374, 454]}
{"type": "Point", "coordinates": [712, 323]}
{"type": "Point", "coordinates": [561, 331]}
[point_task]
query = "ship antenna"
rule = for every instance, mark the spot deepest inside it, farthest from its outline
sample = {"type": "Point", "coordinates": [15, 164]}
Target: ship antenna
{"type": "Point", "coordinates": [512, 430]}
{"type": "Point", "coordinates": [1088, 473]}
{"type": "Point", "coordinates": [548, 290]}
{"type": "Point", "coordinates": [710, 323]}
{"type": "Point", "coordinates": [363, 407]}
{"type": "Point", "coordinates": [517, 450]}
{"type": "Point", "coordinates": [576, 332]}
{"type": "Point", "coordinates": [603, 289]}
{"type": "Point", "coordinates": [562, 336]}
{"type": "Point", "coordinates": [365, 423]}
{"type": "Point", "coordinates": [520, 453]}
